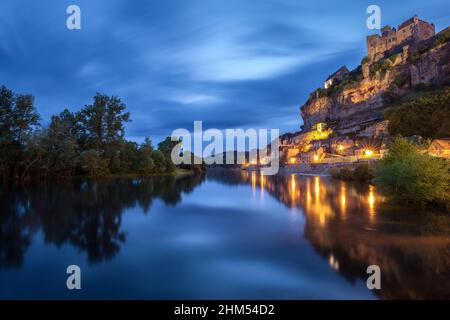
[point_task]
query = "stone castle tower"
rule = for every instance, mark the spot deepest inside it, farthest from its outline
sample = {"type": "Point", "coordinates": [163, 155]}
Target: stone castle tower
{"type": "Point", "coordinates": [409, 31]}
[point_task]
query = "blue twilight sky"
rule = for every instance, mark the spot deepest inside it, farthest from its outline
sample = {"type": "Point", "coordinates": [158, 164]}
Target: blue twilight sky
{"type": "Point", "coordinates": [232, 64]}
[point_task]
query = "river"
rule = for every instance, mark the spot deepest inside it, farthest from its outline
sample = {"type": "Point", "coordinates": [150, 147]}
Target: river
{"type": "Point", "coordinates": [223, 235]}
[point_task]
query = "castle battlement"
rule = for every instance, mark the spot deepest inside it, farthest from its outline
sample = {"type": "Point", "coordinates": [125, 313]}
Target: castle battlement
{"type": "Point", "coordinates": [412, 29]}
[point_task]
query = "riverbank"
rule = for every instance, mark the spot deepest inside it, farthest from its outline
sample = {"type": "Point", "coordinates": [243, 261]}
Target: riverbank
{"type": "Point", "coordinates": [322, 169]}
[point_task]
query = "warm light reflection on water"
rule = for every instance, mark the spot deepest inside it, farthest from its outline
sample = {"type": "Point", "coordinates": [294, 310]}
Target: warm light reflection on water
{"type": "Point", "coordinates": [310, 237]}
{"type": "Point", "coordinates": [343, 198]}
{"type": "Point", "coordinates": [262, 178]}
{"type": "Point", "coordinates": [253, 182]}
{"type": "Point", "coordinates": [371, 201]}
{"type": "Point", "coordinates": [323, 198]}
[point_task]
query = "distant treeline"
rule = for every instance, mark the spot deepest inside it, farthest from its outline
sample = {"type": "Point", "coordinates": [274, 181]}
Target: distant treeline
{"type": "Point", "coordinates": [89, 142]}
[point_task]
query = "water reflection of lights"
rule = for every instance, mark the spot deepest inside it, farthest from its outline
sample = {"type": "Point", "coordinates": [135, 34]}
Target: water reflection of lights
{"type": "Point", "coordinates": [308, 194]}
{"type": "Point", "coordinates": [371, 201]}
{"type": "Point", "coordinates": [334, 263]}
{"type": "Point", "coordinates": [262, 182]}
{"type": "Point", "coordinates": [293, 189]}
{"type": "Point", "coordinates": [253, 182]}
{"type": "Point", "coordinates": [316, 188]}
{"type": "Point", "coordinates": [343, 198]}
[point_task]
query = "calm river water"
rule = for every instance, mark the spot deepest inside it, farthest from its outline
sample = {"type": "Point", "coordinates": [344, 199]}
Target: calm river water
{"type": "Point", "coordinates": [225, 235]}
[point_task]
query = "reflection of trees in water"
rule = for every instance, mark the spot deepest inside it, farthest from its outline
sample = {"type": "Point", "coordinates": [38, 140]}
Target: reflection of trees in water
{"type": "Point", "coordinates": [84, 213]}
{"type": "Point", "coordinates": [15, 229]}
{"type": "Point", "coordinates": [352, 227]}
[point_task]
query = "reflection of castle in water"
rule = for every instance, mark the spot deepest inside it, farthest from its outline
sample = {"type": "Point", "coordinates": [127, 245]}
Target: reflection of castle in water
{"type": "Point", "coordinates": [352, 227]}
{"type": "Point", "coordinates": [349, 225]}
{"type": "Point", "coordinates": [85, 213]}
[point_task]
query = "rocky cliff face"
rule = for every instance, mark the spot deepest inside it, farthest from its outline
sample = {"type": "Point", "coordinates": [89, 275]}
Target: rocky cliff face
{"type": "Point", "coordinates": [356, 103]}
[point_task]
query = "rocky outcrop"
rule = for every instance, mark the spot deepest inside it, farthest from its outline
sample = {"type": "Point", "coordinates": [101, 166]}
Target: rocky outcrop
{"type": "Point", "coordinates": [356, 103]}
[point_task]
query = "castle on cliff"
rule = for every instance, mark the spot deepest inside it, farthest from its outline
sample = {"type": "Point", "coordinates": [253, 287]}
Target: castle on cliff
{"type": "Point", "coordinates": [411, 30]}
{"type": "Point", "coordinates": [344, 120]}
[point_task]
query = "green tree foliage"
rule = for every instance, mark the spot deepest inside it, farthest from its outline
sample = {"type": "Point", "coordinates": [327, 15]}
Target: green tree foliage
{"type": "Point", "coordinates": [60, 146]}
{"type": "Point", "coordinates": [88, 142]}
{"type": "Point", "coordinates": [427, 115]}
{"type": "Point", "coordinates": [146, 164]}
{"type": "Point", "coordinates": [92, 164]}
{"type": "Point", "coordinates": [18, 120]}
{"type": "Point", "coordinates": [405, 174]}
{"type": "Point", "coordinates": [160, 161]}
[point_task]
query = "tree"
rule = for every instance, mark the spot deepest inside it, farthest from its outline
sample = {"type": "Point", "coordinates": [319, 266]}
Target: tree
{"type": "Point", "coordinates": [93, 165]}
{"type": "Point", "coordinates": [427, 115]}
{"type": "Point", "coordinates": [91, 141]}
{"type": "Point", "coordinates": [145, 164]}
{"type": "Point", "coordinates": [25, 117]}
{"type": "Point", "coordinates": [102, 127]}
{"type": "Point", "coordinates": [18, 120]}
{"type": "Point", "coordinates": [60, 145]}
{"type": "Point", "coordinates": [166, 146]}
{"type": "Point", "coordinates": [128, 157]}
{"type": "Point", "coordinates": [405, 174]}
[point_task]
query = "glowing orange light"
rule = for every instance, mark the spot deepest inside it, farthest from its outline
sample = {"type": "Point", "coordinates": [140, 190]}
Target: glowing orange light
{"type": "Point", "coordinates": [343, 198]}
{"type": "Point", "coordinates": [316, 158]}
{"type": "Point", "coordinates": [262, 183]}
{"type": "Point", "coordinates": [340, 147]}
{"type": "Point", "coordinates": [371, 201]}
{"type": "Point", "coordinates": [368, 153]}
{"type": "Point", "coordinates": [316, 187]}
{"type": "Point", "coordinates": [253, 180]}
{"type": "Point", "coordinates": [292, 160]}
{"type": "Point", "coordinates": [293, 188]}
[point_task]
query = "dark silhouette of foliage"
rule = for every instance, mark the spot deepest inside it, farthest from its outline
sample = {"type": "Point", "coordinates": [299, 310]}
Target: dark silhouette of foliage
{"type": "Point", "coordinates": [89, 142]}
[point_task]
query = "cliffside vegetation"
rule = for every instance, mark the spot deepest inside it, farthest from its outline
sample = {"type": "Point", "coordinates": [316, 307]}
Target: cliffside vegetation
{"type": "Point", "coordinates": [407, 175]}
{"type": "Point", "coordinates": [88, 142]}
{"type": "Point", "coordinates": [425, 113]}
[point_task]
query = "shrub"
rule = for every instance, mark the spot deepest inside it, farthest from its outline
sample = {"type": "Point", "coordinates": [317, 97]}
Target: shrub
{"type": "Point", "coordinates": [442, 37]}
{"type": "Point", "coordinates": [405, 174]}
{"type": "Point", "coordinates": [361, 172]}
{"type": "Point", "coordinates": [393, 58]}
{"type": "Point", "coordinates": [365, 60]}
{"type": "Point", "coordinates": [401, 80]}
{"type": "Point", "coordinates": [381, 66]}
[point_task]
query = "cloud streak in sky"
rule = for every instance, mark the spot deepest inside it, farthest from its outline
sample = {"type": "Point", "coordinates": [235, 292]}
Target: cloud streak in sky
{"type": "Point", "coordinates": [229, 63]}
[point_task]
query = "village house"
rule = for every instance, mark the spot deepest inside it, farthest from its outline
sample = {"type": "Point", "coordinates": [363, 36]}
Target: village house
{"type": "Point", "coordinates": [337, 76]}
{"type": "Point", "coordinates": [440, 148]}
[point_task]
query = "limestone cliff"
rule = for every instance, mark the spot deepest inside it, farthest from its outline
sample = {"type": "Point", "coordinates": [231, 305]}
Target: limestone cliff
{"type": "Point", "coordinates": [355, 103]}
